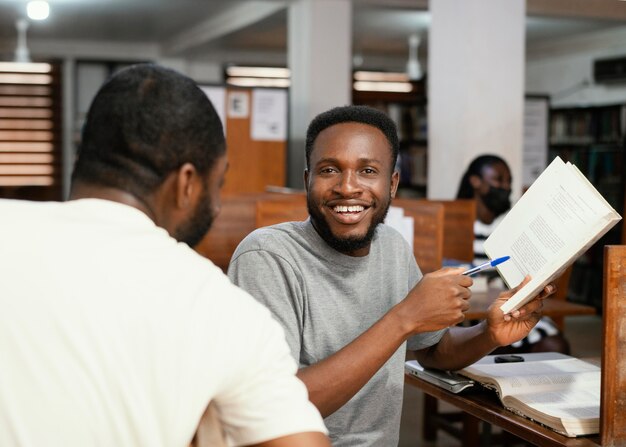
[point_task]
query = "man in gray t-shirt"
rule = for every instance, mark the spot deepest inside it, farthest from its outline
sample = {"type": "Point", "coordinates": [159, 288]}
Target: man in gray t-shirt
{"type": "Point", "coordinates": [348, 292]}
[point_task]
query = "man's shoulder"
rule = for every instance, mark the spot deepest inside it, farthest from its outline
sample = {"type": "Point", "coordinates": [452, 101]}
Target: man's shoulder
{"type": "Point", "coordinates": [272, 237]}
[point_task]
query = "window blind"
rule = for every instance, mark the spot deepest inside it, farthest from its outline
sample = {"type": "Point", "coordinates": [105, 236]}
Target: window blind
{"type": "Point", "coordinates": [30, 126]}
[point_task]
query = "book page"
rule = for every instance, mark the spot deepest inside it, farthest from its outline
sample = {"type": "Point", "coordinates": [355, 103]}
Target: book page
{"type": "Point", "coordinates": [534, 377]}
{"type": "Point", "coordinates": [558, 218]}
{"type": "Point", "coordinates": [567, 404]}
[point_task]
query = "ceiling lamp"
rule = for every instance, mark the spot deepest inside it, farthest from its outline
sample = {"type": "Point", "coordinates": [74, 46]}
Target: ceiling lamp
{"type": "Point", "coordinates": [21, 50]}
{"type": "Point", "coordinates": [38, 10]}
{"type": "Point", "coordinates": [413, 68]}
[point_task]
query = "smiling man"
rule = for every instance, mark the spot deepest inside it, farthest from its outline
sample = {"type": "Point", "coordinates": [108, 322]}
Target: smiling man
{"type": "Point", "coordinates": [348, 291]}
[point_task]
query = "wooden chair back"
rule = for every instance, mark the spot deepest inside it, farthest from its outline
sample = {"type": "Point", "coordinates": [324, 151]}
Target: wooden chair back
{"type": "Point", "coordinates": [278, 210]}
{"type": "Point", "coordinates": [458, 228]}
{"type": "Point", "coordinates": [428, 225]}
{"type": "Point", "coordinates": [613, 397]}
{"type": "Point", "coordinates": [236, 220]}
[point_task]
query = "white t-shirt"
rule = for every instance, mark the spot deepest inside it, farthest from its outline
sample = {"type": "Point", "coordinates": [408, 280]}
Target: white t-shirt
{"type": "Point", "coordinates": [114, 334]}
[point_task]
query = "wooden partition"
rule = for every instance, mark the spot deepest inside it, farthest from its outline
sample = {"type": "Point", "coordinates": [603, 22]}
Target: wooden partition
{"type": "Point", "coordinates": [428, 232]}
{"type": "Point", "coordinates": [613, 400]}
{"type": "Point", "coordinates": [242, 213]}
{"type": "Point", "coordinates": [458, 228]}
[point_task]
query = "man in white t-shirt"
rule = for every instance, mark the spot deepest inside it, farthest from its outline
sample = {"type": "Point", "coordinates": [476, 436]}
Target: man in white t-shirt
{"type": "Point", "coordinates": [113, 331]}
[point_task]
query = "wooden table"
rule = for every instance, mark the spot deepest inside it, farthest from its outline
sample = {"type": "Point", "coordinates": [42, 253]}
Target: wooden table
{"type": "Point", "coordinates": [484, 405]}
{"type": "Point", "coordinates": [479, 303]}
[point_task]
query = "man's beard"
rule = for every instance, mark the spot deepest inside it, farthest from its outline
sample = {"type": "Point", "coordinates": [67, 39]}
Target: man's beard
{"type": "Point", "coordinates": [193, 230]}
{"type": "Point", "coordinates": [349, 244]}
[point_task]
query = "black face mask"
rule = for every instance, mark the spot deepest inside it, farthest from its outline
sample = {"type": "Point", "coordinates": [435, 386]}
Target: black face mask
{"type": "Point", "coordinates": [497, 200]}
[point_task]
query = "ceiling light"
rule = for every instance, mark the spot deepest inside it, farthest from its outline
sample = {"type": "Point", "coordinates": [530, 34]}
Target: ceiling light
{"type": "Point", "coordinates": [258, 82]}
{"type": "Point", "coordinates": [258, 72]}
{"type": "Point", "coordinates": [366, 86]}
{"type": "Point", "coordinates": [413, 68]}
{"type": "Point", "coordinates": [380, 76]}
{"type": "Point", "coordinates": [38, 10]}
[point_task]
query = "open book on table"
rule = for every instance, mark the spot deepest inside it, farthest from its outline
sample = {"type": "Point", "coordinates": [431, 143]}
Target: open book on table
{"type": "Point", "coordinates": [558, 391]}
{"type": "Point", "coordinates": [553, 223]}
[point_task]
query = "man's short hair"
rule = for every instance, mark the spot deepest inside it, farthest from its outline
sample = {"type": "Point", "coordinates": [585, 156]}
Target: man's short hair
{"type": "Point", "coordinates": [353, 114]}
{"type": "Point", "coordinates": [145, 122]}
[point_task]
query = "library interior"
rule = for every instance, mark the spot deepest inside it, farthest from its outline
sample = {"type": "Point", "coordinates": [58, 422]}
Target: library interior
{"type": "Point", "coordinates": [527, 80]}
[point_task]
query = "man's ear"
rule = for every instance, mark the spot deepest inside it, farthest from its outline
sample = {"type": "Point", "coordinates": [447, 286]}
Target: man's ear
{"type": "Point", "coordinates": [306, 180]}
{"type": "Point", "coordinates": [395, 181]}
{"type": "Point", "coordinates": [188, 186]}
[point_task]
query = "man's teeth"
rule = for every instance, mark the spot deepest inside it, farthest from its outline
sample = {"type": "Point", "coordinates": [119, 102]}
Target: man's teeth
{"type": "Point", "coordinates": [348, 209]}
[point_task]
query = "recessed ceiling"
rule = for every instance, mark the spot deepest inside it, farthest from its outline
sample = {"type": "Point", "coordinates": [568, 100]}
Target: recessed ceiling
{"type": "Point", "coordinates": [380, 29]}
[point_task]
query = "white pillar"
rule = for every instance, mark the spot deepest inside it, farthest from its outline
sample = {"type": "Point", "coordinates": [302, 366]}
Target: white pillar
{"type": "Point", "coordinates": [475, 88]}
{"type": "Point", "coordinates": [320, 59]}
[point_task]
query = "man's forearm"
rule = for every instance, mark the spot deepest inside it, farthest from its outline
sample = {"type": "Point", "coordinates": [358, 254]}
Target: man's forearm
{"type": "Point", "coordinates": [459, 347]}
{"type": "Point", "coordinates": [333, 381]}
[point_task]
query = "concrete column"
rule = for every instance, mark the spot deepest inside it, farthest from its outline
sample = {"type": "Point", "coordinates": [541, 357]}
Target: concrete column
{"type": "Point", "coordinates": [475, 88]}
{"type": "Point", "coordinates": [320, 59]}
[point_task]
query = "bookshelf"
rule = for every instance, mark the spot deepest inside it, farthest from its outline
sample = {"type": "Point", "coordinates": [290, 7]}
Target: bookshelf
{"type": "Point", "coordinates": [594, 139]}
{"type": "Point", "coordinates": [408, 111]}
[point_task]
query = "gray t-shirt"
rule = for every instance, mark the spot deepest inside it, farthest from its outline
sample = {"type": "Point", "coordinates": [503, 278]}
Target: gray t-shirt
{"type": "Point", "coordinates": [324, 300]}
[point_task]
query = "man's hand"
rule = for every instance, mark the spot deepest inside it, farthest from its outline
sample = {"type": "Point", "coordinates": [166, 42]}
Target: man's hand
{"type": "Point", "coordinates": [507, 329]}
{"type": "Point", "coordinates": [438, 301]}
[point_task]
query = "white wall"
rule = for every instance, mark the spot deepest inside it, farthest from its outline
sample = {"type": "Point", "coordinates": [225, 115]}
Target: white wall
{"type": "Point", "coordinates": [563, 69]}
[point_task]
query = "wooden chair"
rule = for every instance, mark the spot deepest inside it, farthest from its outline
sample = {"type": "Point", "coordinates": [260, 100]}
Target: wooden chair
{"type": "Point", "coordinates": [428, 218]}
{"type": "Point", "coordinates": [236, 220]}
{"type": "Point", "coordinates": [458, 228]}
{"type": "Point", "coordinates": [613, 397]}
{"type": "Point", "coordinates": [278, 210]}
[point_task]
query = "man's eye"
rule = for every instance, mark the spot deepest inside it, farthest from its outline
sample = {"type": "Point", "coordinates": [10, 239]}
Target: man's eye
{"type": "Point", "coordinates": [369, 171]}
{"type": "Point", "coordinates": [327, 170]}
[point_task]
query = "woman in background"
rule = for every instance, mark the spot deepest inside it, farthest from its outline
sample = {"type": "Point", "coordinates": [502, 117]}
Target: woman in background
{"type": "Point", "coordinates": [488, 181]}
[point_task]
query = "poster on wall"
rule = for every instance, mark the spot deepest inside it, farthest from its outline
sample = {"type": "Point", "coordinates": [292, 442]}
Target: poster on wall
{"type": "Point", "coordinates": [217, 95]}
{"type": "Point", "coordinates": [238, 104]}
{"type": "Point", "coordinates": [535, 158]}
{"type": "Point", "coordinates": [269, 115]}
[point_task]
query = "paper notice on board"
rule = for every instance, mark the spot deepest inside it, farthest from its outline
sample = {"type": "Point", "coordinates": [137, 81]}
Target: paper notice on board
{"type": "Point", "coordinates": [269, 115]}
{"type": "Point", "coordinates": [217, 96]}
{"type": "Point", "coordinates": [238, 104]}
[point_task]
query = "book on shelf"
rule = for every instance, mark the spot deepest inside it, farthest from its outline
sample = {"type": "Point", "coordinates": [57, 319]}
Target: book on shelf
{"type": "Point", "coordinates": [556, 220]}
{"type": "Point", "coordinates": [555, 390]}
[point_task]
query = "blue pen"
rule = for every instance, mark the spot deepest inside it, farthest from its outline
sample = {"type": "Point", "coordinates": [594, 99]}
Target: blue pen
{"type": "Point", "coordinates": [486, 265]}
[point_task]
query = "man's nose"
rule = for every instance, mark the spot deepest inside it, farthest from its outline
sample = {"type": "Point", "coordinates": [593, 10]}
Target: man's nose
{"type": "Point", "coordinates": [349, 183]}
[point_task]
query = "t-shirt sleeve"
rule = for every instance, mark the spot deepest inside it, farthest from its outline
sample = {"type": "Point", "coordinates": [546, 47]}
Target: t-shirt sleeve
{"type": "Point", "coordinates": [264, 399]}
{"type": "Point", "coordinates": [272, 281]}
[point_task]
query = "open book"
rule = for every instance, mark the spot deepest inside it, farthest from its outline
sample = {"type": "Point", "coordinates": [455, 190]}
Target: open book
{"type": "Point", "coordinates": [553, 223]}
{"type": "Point", "coordinates": [562, 393]}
